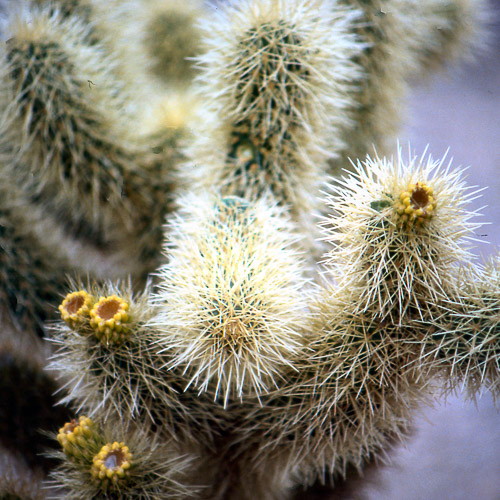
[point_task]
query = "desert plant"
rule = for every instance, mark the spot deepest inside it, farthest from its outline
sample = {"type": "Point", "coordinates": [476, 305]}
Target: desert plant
{"type": "Point", "coordinates": [221, 364]}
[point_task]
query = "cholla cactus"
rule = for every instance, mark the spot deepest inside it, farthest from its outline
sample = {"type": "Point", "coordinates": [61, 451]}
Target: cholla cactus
{"type": "Point", "coordinates": [400, 228]}
{"type": "Point", "coordinates": [66, 142]}
{"type": "Point", "coordinates": [110, 358]}
{"type": "Point", "coordinates": [102, 340]}
{"type": "Point", "coordinates": [229, 372]}
{"type": "Point", "coordinates": [463, 342]}
{"type": "Point", "coordinates": [108, 462]}
{"type": "Point", "coordinates": [279, 78]}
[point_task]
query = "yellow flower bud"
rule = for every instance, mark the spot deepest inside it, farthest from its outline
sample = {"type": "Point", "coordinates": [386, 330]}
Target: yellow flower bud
{"type": "Point", "coordinates": [112, 463]}
{"type": "Point", "coordinates": [75, 308]}
{"type": "Point", "coordinates": [79, 439]}
{"type": "Point", "coordinates": [109, 318]}
{"type": "Point", "coordinates": [416, 206]}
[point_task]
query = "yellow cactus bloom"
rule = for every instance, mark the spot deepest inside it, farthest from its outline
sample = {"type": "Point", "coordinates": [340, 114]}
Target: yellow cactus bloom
{"type": "Point", "coordinates": [108, 318]}
{"type": "Point", "coordinates": [78, 439]}
{"type": "Point", "coordinates": [416, 204]}
{"type": "Point", "coordinates": [112, 463]}
{"type": "Point", "coordinates": [75, 308]}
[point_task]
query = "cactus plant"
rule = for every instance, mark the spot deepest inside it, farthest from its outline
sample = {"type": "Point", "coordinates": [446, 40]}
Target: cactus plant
{"type": "Point", "coordinates": [207, 352]}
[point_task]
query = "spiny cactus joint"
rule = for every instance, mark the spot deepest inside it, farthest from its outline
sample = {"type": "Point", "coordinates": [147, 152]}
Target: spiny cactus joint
{"type": "Point", "coordinates": [210, 344]}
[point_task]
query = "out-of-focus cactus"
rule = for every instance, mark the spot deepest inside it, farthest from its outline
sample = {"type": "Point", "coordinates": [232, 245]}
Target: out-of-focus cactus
{"type": "Point", "coordinates": [441, 32]}
{"type": "Point", "coordinates": [17, 480]}
{"type": "Point", "coordinates": [30, 279]}
{"type": "Point", "coordinates": [219, 368]}
{"type": "Point", "coordinates": [277, 79]}
{"type": "Point", "coordinates": [404, 38]}
{"type": "Point", "coordinates": [66, 142]}
{"type": "Point", "coordinates": [173, 39]}
{"type": "Point", "coordinates": [28, 402]}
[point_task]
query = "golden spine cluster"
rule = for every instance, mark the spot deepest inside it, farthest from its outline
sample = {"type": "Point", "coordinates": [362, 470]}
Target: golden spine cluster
{"type": "Point", "coordinates": [229, 310]}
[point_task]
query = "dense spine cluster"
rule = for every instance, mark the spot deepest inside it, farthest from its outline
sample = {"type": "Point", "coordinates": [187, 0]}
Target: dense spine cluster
{"type": "Point", "coordinates": [199, 354]}
{"type": "Point", "coordinates": [229, 306]}
{"type": "Point", "coordinates": [462, 345]}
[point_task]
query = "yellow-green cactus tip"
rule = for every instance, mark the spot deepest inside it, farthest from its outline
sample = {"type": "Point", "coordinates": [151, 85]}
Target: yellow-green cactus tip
{"type": "Point", "coordinates": [111, 464]}
{"type": "Point", "coordinates": [415, 205]}
{"type": "Point", "coordinates": [75, 308]}
{"type": "Point", "coordinates": [109, 318]}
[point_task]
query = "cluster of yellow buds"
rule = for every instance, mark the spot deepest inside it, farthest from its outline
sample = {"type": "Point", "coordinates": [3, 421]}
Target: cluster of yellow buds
{"type": "Point", "coordinates": [111, 464]}
{"type": "Point", "coordinates": [109, 318]}
{"type": "Point", "coordinates": [106, 317]}
{"type": "Point", "coordinates": [79, 439]}
{"type": "Point", "coordinates": [75, 308]}
{"type": "Point", "coordinates": [84, 444]}
{"type": "Point", "coordinates": [415, 205]}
